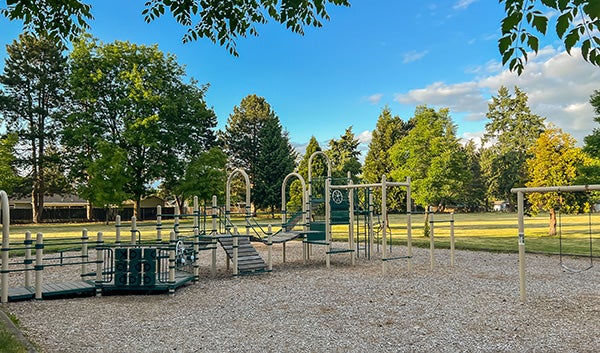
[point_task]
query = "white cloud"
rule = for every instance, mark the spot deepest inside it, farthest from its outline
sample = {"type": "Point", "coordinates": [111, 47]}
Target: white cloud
{"type": "Point", "coordinates": [365, 137]}
{"type": "Point", "coordinates": [375, 98]}
{"type": "Point", "coordinates": [462, 4]}
{"type": "Point", "coordinates": [413, 55]}
{"type": "Point", "coordinates": [558, 86]}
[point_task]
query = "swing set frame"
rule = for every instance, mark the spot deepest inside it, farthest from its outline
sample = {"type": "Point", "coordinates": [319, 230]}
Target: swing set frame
{"type": "Point", "coordinates": [521, 224]}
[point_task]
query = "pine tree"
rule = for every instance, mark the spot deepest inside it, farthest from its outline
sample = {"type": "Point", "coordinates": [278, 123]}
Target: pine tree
{"type": "Point", "coordinates": [318, 170]}
{"type": "Point", "coordinates": [31, 104]}
{"type": "Point", "coordinates": [388, 131]}
{"type": "Point", "coordinates": [511, 131]}
{"type": "Point", "coordinates": [241, 136]}
{"type": "Point", "coordinates": [276, 159]}
{"type": "Point", "coordinates": [344, 155]}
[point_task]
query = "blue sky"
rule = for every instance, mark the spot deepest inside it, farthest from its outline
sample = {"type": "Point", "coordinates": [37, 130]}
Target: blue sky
{"type": "Point", "coordinates": [372, 54]}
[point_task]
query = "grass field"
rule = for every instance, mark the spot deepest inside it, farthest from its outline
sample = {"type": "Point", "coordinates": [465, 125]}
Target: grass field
{"type": "Point", "coordinates": [474, 231]}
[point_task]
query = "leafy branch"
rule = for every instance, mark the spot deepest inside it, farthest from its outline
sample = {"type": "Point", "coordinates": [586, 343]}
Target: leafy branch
{"type": "Point", "coordinates": [578, 23]}
{"type": "Point", "coordinates": [224, 21]}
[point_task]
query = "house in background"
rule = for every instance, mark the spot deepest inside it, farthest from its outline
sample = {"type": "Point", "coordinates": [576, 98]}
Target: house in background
{"type": "Point", "coordinates": [72, 208]}
{"type": "Point", "coordinates": [57, 208]}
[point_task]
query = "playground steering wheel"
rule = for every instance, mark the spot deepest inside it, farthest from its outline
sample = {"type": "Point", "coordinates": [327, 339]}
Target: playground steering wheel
{"type": "Point", "coordinates": [337, 197]}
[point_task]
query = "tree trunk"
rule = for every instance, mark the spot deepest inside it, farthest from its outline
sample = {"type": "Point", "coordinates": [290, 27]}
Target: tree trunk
{"type": "Point", "coordinates": [136, 208]}
{"type": "Point", "coordinates": [552, 224]}
{"type": "Point", "coordinates": [88, 211]}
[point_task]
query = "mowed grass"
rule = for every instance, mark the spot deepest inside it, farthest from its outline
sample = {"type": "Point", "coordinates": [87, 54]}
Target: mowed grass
{"type": "Point", "coordinates": [496, 232]}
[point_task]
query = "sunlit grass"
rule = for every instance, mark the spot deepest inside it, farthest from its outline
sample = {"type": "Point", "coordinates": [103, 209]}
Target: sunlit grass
{"type": "Point", "coordinates": [474, 231]}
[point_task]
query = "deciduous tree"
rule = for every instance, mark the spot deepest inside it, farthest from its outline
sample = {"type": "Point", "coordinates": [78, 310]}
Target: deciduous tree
{"type": "Point", "coordinates": [555, 161]}
{"type": "Point", "coordinates": [9, 178]}
{"type": "Point", "coordinates": [205, 176]}
{"type": "Point", "coordinates": [433, 157]}
{"type": "Point", "coordinates": [135, 98]}
{"type": "Point", "coordinates": [221, 21]}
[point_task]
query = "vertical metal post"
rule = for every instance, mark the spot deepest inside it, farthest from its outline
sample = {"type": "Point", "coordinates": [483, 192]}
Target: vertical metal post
{"type": "Point", "coordinates": [351, 223]}
{"type": "Point", "coordinates": [133, 230]}
{"type": "Point", "coordinates": [158, 224]}
{"type": "Point", "coordinates": [235, 249]}
{"type": "Point", "coordinates": [5, 244]}
{"type": "Point", "coordinates": [521, 214]}
{"type": "Point", "coordinates": [328, 237]}
{"type": "Point", "coordinates": [39, 265]}
{"type": "Point", "coordinates": [118, 230]}
{"type": "Point", "coordinates": [214, 210]}
{"type": "Point", "coordinates": [28, 260]}
{"type": "Point", "coordinates": [84, 252]}
{"type": "Point", "coordinates": [176, 219]}
{"type": "Point", "coordinates": [172, 259]}
{"type": "Point", "coordinates": [196, 253]}
{"type": "Point", "coordinates": [409, 224]}
{"type": "Point", "coordinates": [431, 242]}
{"type": "Point", "coordinates": [371, 229]}
{"type": "Point", "coordinates": [270, 249]}
{"type": "Point", "coordinates": [452, 247]}
{"type": "Point", "coordinates": [384, 254]}
{"type": "Point", "coordinates": [99, 262]}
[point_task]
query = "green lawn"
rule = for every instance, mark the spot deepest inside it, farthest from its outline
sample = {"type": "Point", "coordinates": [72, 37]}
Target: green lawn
{"type": "Point", "coordinates": [476, 231]}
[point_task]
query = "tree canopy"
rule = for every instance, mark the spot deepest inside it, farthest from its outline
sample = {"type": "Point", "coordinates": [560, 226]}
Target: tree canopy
{"type": "Point", "coordinates": [510, 132]}
{"type": "Point", "coordinates": [432, 156]}
{"type": "Point", "coordinates": [9, 178]}
{"type": "Point", "coordinates": [224, 22]}
{"type": "Point", "coordinates": [276, 159]}
{"type": "Point", "coordinates": [221, 21]}
{"type": "Point", "coordinates": [344, 154]}
{"type": "Point", "coordinates": [32, 99]}
{"type": "Point", "coordinates": [133, 98]}
{"type": "Point", "coordinates": [555, 161]}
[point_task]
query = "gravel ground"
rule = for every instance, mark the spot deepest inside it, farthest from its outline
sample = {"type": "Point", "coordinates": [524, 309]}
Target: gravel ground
{"type": "Point", "coordinates": [301, 307]}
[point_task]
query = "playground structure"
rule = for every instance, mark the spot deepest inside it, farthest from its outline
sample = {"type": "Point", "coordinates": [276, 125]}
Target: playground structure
{"type": "Point", "coordinates": [163, 265]}
{"type": "Point", "coordinates": [521, 224]}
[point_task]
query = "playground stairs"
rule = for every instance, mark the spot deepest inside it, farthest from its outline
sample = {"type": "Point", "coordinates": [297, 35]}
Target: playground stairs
{"type": "Point", "coordinates": [249, 260]}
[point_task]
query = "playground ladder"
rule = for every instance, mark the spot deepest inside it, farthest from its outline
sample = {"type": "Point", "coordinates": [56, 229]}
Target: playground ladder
{"type": "Point", "coordinates": [249, 259]}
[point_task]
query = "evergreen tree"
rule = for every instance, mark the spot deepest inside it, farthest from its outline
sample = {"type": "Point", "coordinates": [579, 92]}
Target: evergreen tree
{"type": "Point", "coordinates": [276, 159]}
{"type": "Point", "coordinates": [31, 104]}
{"type": "Point", "coordinates": [241, 138]}
{"type": "Point", "coordinates": [590, 173]}
{"type": "Point", "coordinates": [344, 155]}
{"type": "Point", "coordinates": [511, 132]}
{"type": "Point", "coordinates": [389, 130]}
{"type": "Point", "coordinates": [319, 169]}
{"type": "Point", "coordinates": [592, 141]}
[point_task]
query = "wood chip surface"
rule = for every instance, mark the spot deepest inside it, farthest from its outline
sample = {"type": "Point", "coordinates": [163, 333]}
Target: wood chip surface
{"type": "Point", "coordinates": [305, 307]}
